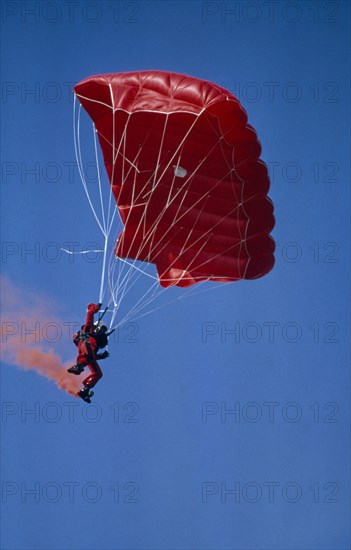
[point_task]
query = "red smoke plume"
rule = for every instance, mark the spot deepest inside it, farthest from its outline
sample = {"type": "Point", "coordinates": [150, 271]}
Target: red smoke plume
{"type": "Point", "coordinates": [23, 339]}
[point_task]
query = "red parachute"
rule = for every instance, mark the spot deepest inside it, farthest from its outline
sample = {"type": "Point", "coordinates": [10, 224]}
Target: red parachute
{"type": "Point", "coordinates": [185, 171]}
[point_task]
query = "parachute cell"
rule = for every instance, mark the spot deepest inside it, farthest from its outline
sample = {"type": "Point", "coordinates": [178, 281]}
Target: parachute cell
{"type": "Point", "coordinates": [186, 175]}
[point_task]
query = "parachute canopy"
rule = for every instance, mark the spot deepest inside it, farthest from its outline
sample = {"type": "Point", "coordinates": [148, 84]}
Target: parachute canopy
{"type": "Point", "coordinates": [185, 172]}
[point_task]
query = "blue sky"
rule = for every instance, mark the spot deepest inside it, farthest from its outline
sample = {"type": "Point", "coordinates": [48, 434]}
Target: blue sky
{"type": "Point", "coordinates": [156, 461]}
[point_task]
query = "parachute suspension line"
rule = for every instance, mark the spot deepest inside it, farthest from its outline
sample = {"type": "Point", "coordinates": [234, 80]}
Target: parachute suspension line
{"type": "Point", "coordinates": [101, 294]}
{"type": "Point", "coordinates": [189, 292]}
{"type": "Point", "coordinates": [76, 136]}
{"type": "Point", "coordinates": [153, 288]}
{"type": "Point", "coordinates": [239, 200]}
{"type": "Point", "coordinates": [184, 249]}
{"type": "Point", "coordinates": [138, 269]}
{"type": "Point", "coordinates": [159, 217]}
{"type": "Point", "coordinates": [144, 301]}
{"type": "Point", "coordinates": [114, 158]}
{"type": "Point", "coordinates": [115, 284]}
{"type": "Point", "coordinates": [113, 151]}
{"type": "Point", "coordinates": [109, 217]}
{"type": "Point", "coordinates": [153, 188]}
{"type": "Point", "coordinates": [186, 294]}
{"type": "Point", "coordinates": [113, 316]}
{"type": "Point", "coordinates": [138, 308]}
{"type": "Point", "coordinates": [133, 165]}
{"type": "Point", "coordinates": [246, 229]}
{"type": "Point", "coordinates": [93, 100]}
{"type": "Point", "coordinates": [211, 228]}
{"type": "Point", "coordinates": [154, 226]}
{"type": "Point", "coordinates": [208, 231]}
{"type": "Point", "coordinates": [243, 241]}
{"type": "Point", "coordinates": [236, 200]}
{"type": "Point", "coordinates": [151, 232]}
{"type": "Point", "coordinates": [127, 287]}
{"type": "Point", "coordinates": [130, 273]}
{"type": "Point", "coordinates": [99, 181]}
{"type": "Point", "coordinates": [135, 309]}
{"type": "Point", "coordinates": [80, 251]}
{"type": "Point", "coordinates": [126, 278]}
{"type": "Point", "coordinates": [114, 288]}
{"type": "Point", "coordinates": [155, 182]}
{"type": "Point", "coordinates": [173, 180]}
{"type": "Point", "coordinates": [105, 223]}
{"type": "Point", "coordinates": [125, 319]}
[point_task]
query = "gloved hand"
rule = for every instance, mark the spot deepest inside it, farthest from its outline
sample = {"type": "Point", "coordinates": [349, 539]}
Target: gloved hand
{"type": "Point", "coordinates": [94, 307]}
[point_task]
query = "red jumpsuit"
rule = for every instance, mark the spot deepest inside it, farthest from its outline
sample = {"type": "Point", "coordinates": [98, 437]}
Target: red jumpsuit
{"type": "Point", "coordinates": [87, 347]}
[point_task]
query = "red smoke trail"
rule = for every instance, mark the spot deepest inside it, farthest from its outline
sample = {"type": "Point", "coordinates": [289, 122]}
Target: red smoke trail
{"type": "Point", "coordinates": [22, 341]}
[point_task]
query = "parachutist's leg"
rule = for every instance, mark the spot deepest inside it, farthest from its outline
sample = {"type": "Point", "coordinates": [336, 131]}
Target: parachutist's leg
{"type": "Point", "coordinates": [82, 358]}
{"type": "Point", "coordinates": [87, 358]}
{"type": "Point", "coordinates": [94, 377]}
{"type": "Point", "coordinates": [81, 362]}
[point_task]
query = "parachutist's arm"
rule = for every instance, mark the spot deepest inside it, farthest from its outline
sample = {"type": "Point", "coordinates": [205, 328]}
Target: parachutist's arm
{"type": "Point", "coordinates": [89, 320]}
{"type": "Point", "coordinates": [103, 355]}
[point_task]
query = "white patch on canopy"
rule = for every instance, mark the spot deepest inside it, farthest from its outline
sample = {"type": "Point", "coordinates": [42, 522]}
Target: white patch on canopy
{"type": "Point", "coordinates": [179, 171]}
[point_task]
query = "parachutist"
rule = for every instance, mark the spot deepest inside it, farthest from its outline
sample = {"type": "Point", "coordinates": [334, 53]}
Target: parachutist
{"type": "Point", "coordinates": [89, 340]}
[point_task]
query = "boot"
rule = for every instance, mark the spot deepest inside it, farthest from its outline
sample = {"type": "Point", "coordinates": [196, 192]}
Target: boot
{"type": "Point", "coordinates": [76, 369]}
{"type": "Point", "coordinates": [86, 393]}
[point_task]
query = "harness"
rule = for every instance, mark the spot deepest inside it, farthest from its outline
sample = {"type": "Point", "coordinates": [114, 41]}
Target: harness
{"type": "Point", "coordinates": [81, 336]}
